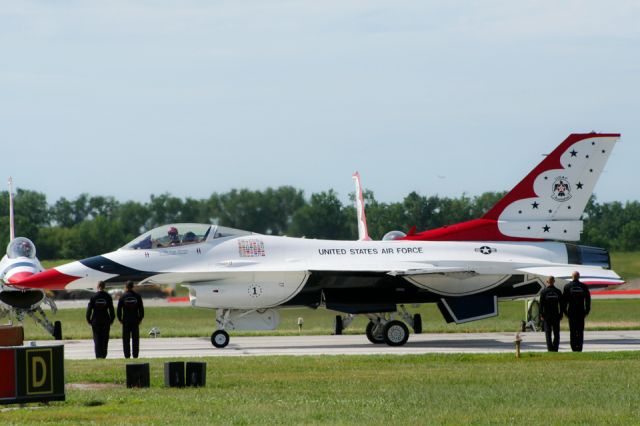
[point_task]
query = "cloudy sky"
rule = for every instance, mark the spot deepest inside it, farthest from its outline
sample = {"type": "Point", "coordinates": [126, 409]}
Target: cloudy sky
{"type": "Point", "coordinates": [132, 98]}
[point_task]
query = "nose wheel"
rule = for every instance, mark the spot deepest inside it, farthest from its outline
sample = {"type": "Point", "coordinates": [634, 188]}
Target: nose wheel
{"type": "Point", "coordinates": [220, 339]}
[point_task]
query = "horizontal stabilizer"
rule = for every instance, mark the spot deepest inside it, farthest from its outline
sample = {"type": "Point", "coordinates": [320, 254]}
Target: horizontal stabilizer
{"type": "Point", "coordinates": [590, 275]}
{"type": "Point", "coordinates": [468, 308]}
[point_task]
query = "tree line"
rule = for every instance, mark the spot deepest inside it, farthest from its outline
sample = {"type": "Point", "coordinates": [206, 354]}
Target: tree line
{"type": "Point", "coordinates": [90, 225]}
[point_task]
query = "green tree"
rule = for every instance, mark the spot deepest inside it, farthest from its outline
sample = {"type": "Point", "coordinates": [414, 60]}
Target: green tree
{"type": "Point", "coordinates": [324, 217]}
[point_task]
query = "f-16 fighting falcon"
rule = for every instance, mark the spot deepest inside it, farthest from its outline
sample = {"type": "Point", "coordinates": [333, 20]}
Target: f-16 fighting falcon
{"type": "Point", "coordinates": [18, 263]}
{"type": "Point", "coordinates": [464, 268]}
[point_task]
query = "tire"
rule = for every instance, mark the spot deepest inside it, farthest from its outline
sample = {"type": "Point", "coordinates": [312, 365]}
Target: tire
{"type": "Point", "coordinates": [417, 323]}
{"type": "Point", "coordinates": [57, 330]}
{"type": "Point", "coordinates": [372, 338]}
{"type": "Point", "coordinates": [220, 339]}
{"type": "Point", "coordinates": [339, 325]}
{"type": "Point", "coordinates": [395, 333]}
{"type": "Point", "coordinates": [533, 314]}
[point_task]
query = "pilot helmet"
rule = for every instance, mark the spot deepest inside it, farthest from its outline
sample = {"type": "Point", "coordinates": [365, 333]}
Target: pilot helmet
{"type": "Point", "coordinates": [173, 233]}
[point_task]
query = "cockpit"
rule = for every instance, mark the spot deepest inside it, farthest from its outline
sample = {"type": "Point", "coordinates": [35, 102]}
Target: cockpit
{"type": "Point", "coordinates": [21, 247]}
{"type": "Point", "coordinates": [181, 234]}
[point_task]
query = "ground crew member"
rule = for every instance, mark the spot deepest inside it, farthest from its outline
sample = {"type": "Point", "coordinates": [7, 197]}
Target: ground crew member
{"type": "Point", "coordinates": [130, 315]}
{"type": "Point", "coordinates": [100, 316]}
{"type": "Point", "coordinates": [551, 310]}
{"type": "Point", "coordinates": [577, 301]}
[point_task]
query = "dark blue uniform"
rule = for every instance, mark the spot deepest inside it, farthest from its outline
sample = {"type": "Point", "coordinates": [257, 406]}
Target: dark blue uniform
{"type": "Point", "coordinates": [100, 315]}
{"type": "Point", "coordinates": [130, 314]}
{"type": "Point", "coordinates": [551, 309]}
{"type": "Point", "coordinates": [577, 299]}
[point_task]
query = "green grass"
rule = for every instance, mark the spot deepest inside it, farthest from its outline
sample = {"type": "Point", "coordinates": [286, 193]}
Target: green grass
{"type": "Point", "coordinates": [564, 388]}
{"type": "Point", "coordinates": [186, 321]}
{"type": "Point", "coordinates": [626, 264]}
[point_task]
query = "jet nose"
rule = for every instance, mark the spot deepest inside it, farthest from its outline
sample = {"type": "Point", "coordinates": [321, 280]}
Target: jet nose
{"type": "Point", "coordinates": [51, 279]}
{"type": "Point", "coordinates": [19, 276]}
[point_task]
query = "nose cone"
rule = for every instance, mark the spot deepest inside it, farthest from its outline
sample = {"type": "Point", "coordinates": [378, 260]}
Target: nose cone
{"type": "Point", "coordinates": [51, 279]}
{"type": "Point", "coordinates": [18, 276]}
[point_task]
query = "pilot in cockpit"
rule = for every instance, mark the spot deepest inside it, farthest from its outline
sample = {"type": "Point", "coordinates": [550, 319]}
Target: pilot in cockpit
{"type": "Point", "coordinates": [24, 249]}
{"type": "Point", "coordinates": [174, 238]}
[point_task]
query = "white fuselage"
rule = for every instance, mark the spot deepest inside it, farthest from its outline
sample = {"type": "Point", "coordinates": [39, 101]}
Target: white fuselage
{"type": "Point", "coordinates": [260, 271]}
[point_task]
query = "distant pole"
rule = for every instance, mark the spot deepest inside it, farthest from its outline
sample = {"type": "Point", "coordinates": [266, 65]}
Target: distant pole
{"type": "Point", "coordinates": [11, 232]}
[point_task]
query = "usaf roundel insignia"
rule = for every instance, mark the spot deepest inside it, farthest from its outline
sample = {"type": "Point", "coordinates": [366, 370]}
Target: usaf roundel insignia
{"type": "Point", "coordinates": [561, 190]}
{"type": "Point", "coordinates": [485, 250]}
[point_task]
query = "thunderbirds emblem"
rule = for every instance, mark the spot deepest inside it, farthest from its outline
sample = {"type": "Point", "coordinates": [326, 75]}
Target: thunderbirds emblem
{"type": "Point", "coordinates": [561, 190]}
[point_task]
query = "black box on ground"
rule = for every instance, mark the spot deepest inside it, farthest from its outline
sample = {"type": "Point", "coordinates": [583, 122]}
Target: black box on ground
{"type": "Point", "coordinates": [196, 373]}
{"type": "Point", "coordinates": [138, 375]}
{"type": "Point", "coordinates": [174, 374]}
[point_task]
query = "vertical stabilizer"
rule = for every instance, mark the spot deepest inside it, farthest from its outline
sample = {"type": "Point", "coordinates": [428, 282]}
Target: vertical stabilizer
{"type": "Point", "coordinates": [547, 204]}
{"type": "Point", "coordinates": [363, 232]}
{"type": "Point", "coordinates": [12, 233]}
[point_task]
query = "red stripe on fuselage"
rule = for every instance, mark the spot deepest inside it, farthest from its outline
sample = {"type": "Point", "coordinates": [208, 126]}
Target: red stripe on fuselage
{"type": "Point", "coordinates": [51, 279]}
{"type": "Point", "coordinates": [473, 230]}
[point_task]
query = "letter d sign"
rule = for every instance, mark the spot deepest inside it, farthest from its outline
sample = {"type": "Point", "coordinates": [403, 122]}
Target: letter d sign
{"type": "Point", "coordinates": [39, 373]}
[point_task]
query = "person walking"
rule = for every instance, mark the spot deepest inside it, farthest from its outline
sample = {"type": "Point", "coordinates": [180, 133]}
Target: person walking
{"type": "Point", "coordinates": [551, 311]}
{"type": "Point", "coordinates": [100, 315]}
{"type": "Point", "coordinates": [130, 315]}
{"type": "Point", "coordinates": [577, 299]}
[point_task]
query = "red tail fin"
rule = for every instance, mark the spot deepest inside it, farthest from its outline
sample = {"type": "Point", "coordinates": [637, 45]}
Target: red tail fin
{"type": "Point", "coordinates": [547, 203]}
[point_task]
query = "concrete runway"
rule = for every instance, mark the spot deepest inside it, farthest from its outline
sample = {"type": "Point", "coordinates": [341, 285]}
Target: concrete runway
{"type": "Point", "coordinates": [190, 347]}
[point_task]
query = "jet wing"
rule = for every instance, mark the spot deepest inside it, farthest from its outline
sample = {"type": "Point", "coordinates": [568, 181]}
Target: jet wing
{"type": "Point", "coordinates": [590, 275]}
{"type": "Point", "coordinates": [192, 277]}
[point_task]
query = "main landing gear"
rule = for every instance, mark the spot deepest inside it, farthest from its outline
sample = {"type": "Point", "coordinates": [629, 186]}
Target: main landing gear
{"type": "Point", "coordinates": [384, 327]}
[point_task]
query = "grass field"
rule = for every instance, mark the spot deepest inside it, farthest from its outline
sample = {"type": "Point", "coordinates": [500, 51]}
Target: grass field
{"type": "Point", "coordinates": [186, 321]}
{"type": "Point", "coordinates": [564, 388]}
{"type": "Point", "coordinates": [626, 264]}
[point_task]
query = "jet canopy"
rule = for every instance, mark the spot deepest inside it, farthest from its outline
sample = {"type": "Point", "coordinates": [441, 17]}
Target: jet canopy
{"type": "Point", "coordinates": [180, 234]}
{"type": "Point", "coordinates": [21, 247]}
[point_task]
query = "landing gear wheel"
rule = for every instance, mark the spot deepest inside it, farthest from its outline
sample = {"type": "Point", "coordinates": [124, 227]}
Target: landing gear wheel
{"type": "Point", "coordinates": [339, 325]}
{"type": "Point", "coordinates": [533, 315]}
{"type": "Point", "coordinates": [395, 333]}
{"type": "Point", "coordinates": [417, 323]}
{"type": "Point", "coordinates": [220, 338]}
{"type": "Point", "coordinates": [57, 330]}
{"type": "Point", "coordinates": [373, 338]}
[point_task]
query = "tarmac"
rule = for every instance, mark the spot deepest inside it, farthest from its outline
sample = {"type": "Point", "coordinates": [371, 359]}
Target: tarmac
{"type": "Point", "coordinates": [454, 343]}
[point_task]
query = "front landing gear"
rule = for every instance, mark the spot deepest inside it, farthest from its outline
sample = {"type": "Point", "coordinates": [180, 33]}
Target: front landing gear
{"type": "Point", "coordinates": [220, 339]}
{"type": "Point", "coordinates": [40, 317]}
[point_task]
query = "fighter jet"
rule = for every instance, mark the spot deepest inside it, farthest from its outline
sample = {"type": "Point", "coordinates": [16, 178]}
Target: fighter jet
{"type": "Point", "coordinates": [18, 263]}
{"type": "Point", "coordinates": [465, 268]}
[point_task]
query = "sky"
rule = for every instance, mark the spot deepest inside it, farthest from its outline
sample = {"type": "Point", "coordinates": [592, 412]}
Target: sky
{"type": "Point", "coordinates": [133, 98]}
